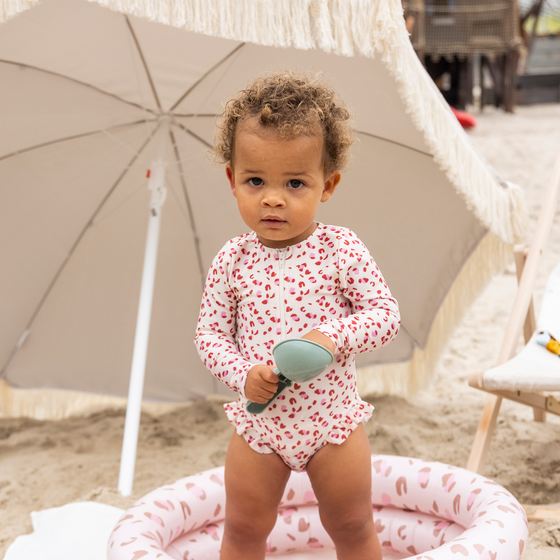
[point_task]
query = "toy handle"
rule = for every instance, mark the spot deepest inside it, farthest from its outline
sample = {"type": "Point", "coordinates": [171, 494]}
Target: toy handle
{"type": "Point", "coordinates": [257, 408]}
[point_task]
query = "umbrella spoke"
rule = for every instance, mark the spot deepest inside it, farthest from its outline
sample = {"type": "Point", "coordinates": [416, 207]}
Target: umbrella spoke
{"type": "Point", "coordinates": [144, 63]}
{"type": "Point", "coordinates": [217, 65]}
{"type": "Point", "coordinates": [403, 331]}
{"type": "Point", "coordinates": [79, 82]}
{"type": "Point", "coordinates": [193, 134]}
{"type": "Point", "coordinates": [382, 138]}
{"type": "Point", "coordinates": [194, 115]}
{"type": "Point", "coordinates": [72, 250]}
{"type": "Point", "coordinates": [74, 137]}
{"type": "Point", "coordinates": [196, 237]}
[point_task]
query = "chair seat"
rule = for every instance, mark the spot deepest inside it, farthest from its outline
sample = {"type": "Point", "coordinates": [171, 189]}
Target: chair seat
{"type": "Point", "coordinates": [534, 368]}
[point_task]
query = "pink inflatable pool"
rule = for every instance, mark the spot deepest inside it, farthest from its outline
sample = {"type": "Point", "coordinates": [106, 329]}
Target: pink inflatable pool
{"type": "Point", "coordinates": [423, 510]}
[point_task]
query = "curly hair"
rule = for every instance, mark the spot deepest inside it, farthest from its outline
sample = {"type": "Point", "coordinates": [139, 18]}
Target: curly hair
{"type": "Point", "coordinates": [293, 105]}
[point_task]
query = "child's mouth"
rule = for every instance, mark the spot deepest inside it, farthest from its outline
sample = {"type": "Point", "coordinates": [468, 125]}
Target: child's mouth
{"type": "Point", "coordinates": [273, 222]}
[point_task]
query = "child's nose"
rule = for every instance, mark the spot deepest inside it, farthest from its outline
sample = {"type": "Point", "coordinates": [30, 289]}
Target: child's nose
{"type": "Point", "coordinates": [273, 197]}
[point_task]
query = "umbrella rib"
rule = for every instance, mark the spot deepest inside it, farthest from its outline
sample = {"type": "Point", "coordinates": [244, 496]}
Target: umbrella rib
{"type": "Point", "coordinates": [189, 209]}
{"type": "Point", "coordinates": [99, 90]}
{"type": "Point", "coordinates": [144, 63]}
{"type": "Point", "coordinates": [61, 268]}
{"type": "Point", "coordinates": [414, 341]}
{"type": "Point", "coordinates": [394, 142]}
{"type": "Point", "coordinates": [193, 134]}
{"type": "Point", "coordinates": [75, 137]}
{"type": "Point", "coordinates": [217, 65]}
{"type": "Point", "coordinates": [191, 115]}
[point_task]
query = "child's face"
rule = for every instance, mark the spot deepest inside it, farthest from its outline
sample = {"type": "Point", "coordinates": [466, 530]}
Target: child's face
{"type": "Point", "coordinates": [279, 183]}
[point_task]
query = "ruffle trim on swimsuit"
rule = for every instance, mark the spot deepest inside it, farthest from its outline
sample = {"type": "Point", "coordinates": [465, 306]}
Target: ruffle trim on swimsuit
{"type": "Point", "coordinates": [244, 426]}
{"type": "Point", "coordinates": [253, 428]}
{"type": "Point", "coordinates": [359, 413]}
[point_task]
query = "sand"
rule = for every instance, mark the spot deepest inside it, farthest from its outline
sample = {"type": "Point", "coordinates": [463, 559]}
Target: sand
{"type": "Point", "coordinates": [47, 464]}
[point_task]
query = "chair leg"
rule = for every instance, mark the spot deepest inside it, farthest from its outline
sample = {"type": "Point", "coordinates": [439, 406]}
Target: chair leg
{"type": "Point", "coordinates": [520, 253]}
{"type": "Point", "coordinates": [484, 433]}
{"type": "Point", "coordinates": [539, 415]}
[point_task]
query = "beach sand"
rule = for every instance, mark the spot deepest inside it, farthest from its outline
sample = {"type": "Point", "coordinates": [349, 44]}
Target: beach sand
{"type": "Point", "coordinates": [47, 464]}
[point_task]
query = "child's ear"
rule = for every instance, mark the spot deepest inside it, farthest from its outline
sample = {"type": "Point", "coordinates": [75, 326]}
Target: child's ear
{"type": "Point", "coordinates": [231, 178]}
{"type": "Point", "coordinates": [330, 185]}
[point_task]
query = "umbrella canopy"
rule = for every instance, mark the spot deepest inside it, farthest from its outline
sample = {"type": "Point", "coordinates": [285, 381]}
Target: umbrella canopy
{"type": "Point", "coordinates": [86, 92]}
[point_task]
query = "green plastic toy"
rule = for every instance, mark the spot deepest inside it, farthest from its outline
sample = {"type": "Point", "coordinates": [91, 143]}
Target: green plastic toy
{"type": "Point", "coordinates": [298, 360]}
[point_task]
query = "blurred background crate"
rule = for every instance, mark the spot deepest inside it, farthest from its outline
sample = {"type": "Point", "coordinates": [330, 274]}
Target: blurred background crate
{"type": "Point", "coordinates": [463, 28]}
{"type": "Point", "coordinates": [502, 52]}
{"type": "Point", "coordinates": [448, 35]}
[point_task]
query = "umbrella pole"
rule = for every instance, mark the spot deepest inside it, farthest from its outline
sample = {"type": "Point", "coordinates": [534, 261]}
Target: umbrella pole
{"type": "Point", "coordinates": [132, 423]}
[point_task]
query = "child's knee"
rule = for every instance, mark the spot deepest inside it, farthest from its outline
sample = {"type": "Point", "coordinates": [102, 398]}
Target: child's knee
{"type": "Point", "coordinates": [348, 526]}
{"type": "Point", "coordinates": [249, 528]}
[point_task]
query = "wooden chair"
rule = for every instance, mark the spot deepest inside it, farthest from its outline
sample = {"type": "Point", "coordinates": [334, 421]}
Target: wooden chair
{"type": "Point", "coordinates": [522, 317]}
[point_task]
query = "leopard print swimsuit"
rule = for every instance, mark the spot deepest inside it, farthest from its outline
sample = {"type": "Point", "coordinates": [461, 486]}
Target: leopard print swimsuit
{"type": "Point", "coordinates": [256, 296]}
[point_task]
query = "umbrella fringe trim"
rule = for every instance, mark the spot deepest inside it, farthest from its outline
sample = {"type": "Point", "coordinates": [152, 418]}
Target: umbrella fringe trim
{"type": "Point", "coordinates": [57, 404]}
{"type": "Point", "coordinates": [405, 378]}
{"type": "Point", "coordinates": [11, 8]}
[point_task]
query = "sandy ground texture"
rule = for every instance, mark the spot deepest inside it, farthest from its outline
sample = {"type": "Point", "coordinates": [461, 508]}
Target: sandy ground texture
{"type": "Point", "coordinates": [48, 464]}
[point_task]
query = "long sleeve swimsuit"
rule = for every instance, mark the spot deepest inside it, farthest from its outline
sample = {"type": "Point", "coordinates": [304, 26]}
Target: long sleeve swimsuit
{"type": "Point", "coordinates": [257, 296]}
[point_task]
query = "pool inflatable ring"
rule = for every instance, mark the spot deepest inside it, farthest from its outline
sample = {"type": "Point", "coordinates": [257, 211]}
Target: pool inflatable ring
{"type": "Point", "coordinates": [425, 510]}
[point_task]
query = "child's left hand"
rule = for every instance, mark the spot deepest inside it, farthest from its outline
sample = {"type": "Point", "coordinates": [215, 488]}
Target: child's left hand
{"type": "Point", "coordinates": [320, 338]}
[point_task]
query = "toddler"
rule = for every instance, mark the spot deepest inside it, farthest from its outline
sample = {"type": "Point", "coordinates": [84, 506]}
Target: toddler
{"type": "Point", "coordinates": [285, 141]}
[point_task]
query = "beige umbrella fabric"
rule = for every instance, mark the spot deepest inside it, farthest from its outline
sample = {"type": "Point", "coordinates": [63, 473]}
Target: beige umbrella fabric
{"type": "Point", "coordinates": [84, 90]}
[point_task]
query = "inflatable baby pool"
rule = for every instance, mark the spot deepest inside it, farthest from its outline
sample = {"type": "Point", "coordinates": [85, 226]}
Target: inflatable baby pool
{"type": "Point", "coordinates": [422, 510]}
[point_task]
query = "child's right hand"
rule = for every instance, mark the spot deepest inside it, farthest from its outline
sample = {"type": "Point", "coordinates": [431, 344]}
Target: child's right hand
{"type": "Point", "coordinates": [261, 384]}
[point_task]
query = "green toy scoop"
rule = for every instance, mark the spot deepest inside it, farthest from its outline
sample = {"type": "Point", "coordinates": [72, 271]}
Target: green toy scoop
{"type": "Point", "coordinates": [298, 360]}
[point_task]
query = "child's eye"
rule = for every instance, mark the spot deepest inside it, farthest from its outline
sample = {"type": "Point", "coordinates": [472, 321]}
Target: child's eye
{"type": "Point", "coordinates": [255, 181]}
{"type": "Point", "coordinates": [295, 183]}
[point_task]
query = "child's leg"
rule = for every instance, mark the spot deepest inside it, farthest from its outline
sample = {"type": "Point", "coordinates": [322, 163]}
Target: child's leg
{"type": "Point", "coordinates": [254, 487]}
{"type": "Point", "coordinates": [341, 479]}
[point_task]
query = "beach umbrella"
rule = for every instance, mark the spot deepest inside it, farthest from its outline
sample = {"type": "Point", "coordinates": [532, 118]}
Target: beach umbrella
{"type": "Point", "coordinates": [105, 120]}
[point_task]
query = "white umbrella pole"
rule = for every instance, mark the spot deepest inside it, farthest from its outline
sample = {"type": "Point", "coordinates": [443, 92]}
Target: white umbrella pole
{"type": "Point", "coordinates": [157, 185]}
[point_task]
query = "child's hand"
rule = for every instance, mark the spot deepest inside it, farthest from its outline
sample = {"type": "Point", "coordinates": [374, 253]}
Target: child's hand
{"type": "Point", "coordinates": [261, 384]}
{"type": "Point", "coordinates": [320, 338]}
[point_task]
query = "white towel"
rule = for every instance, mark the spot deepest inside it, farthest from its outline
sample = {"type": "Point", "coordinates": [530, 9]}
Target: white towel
{"type": "Point", "coordinates": [78, 531]}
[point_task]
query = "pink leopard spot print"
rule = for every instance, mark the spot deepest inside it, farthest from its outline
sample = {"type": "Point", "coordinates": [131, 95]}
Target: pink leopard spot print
{"type": "Point", "coordinates": [256, 296]}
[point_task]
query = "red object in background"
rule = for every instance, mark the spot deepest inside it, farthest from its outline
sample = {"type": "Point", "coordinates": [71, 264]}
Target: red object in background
{"type": "Point", "coordinates": [466, 120]}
